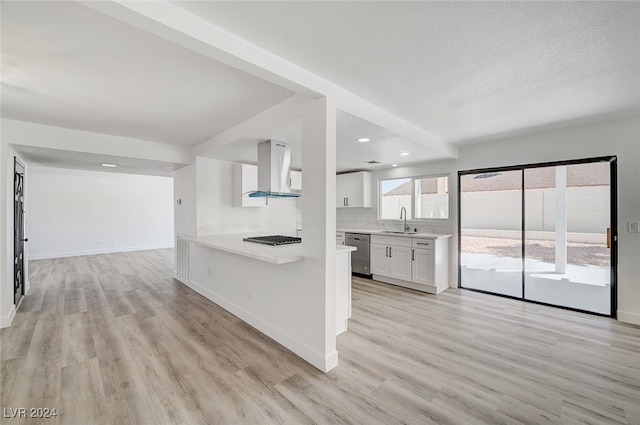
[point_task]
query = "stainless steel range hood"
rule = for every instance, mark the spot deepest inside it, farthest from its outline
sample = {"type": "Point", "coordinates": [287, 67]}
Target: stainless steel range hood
{"type": "Point", "coordinates": [274, 160]}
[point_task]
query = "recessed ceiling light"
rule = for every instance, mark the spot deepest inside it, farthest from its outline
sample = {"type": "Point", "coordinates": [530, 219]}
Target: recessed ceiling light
{"type": "Point", "coordinates": [394, 165]}
{"type": "Point", "coordinates": [364, 140]}
{"type": "Point", "coordinates": [404, 153]}
{"type": "Point", "coordinates": [109, 165]}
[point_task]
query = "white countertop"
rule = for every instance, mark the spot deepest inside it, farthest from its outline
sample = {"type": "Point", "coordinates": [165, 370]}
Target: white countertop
{"type": "Point", "coordinates": [401, 235]}
{"type": "Point", "coordinates": [234, 244]}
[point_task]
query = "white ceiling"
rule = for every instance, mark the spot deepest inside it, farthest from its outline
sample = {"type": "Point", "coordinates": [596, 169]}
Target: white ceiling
{"type": "Point", "coordinates": [384, 146]}
{"type": "Point", "coordinates": [59, 158]}
{"type": "Point", "coordinates": [461, 70]}
{"type": "Point", "coordinates": [66, 65]}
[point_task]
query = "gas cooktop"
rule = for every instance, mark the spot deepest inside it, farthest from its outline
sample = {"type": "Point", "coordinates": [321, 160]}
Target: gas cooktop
{"type": "Point", "coordinates": [274, 240]}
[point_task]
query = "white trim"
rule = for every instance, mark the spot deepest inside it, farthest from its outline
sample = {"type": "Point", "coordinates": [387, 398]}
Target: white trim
{"type": "Point", "coordinates": [628, 317]}
{"type": "Point", "coordinates": [429, 289]}
{"type": "Point", "coordinates": [324, 363]}
{"type": "Point", "coordinates": [5, 321]}
{"type": "Point", "coordinates": [98, 251]}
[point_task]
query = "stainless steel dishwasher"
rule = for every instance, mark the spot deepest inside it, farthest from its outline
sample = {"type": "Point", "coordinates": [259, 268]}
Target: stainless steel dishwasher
{"type": "Point", "coordinates": [359, 258]}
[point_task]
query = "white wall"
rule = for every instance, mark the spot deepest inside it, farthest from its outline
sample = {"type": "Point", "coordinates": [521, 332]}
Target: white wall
{"type": "Point", "coordinates": [76, 212]}
{"type": "Point", "coordinates": [617, 137]}
{"type": "Point", "coordinates": [217, 215]}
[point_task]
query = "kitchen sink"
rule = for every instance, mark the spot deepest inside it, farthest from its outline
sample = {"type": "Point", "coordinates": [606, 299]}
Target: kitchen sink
{"type": "Point", "coordinates": [399, 232]}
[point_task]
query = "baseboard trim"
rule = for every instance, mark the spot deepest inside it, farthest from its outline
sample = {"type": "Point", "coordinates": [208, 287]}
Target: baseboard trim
{"type": "Point", "coordinates": [628, 317]}
{"type": "Point", "coordinates": [5, 321]}
{"type": "Point", "coordinates": [429, 289]}
{"type": "Point", "coordinates": [98, 251]}
{"type": "Point", "coordinates": [320, 361]}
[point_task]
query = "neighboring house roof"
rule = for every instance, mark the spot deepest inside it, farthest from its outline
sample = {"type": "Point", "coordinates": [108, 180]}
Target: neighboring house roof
{"type": "Point", "coordinates": [426, 186]}
{"type": "Point", "coordinates": [591, 174]}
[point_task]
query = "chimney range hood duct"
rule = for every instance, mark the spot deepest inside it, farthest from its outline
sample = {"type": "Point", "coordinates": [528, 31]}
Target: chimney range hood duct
{"type": "Point", "coordinates": [274, 160]}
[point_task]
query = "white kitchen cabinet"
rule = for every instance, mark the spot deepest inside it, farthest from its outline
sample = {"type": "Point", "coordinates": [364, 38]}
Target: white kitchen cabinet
{"type": "Point", "coordinates": [245, 179]}
{"type": "Point", "coordinates": [379, 257]}
{"type": "Point", "coordinates": [431, 263]}
{"type": "Point", "coordinates": [400, 262]}
{"type": "Point", "coordinates": [391, 257]}
{"type": "Point", "coordinates": [417, 263]}
{"type": "Point", "coordinates": [295, 181]}
{"type": "Point", "coordinates": [341, 238]}
{"type": "Point", "coordinates": [423, 261]}
{"type": "Point", "coordinates": [343, 290]}
{"type": "Point", "coordinates": [353, 190]}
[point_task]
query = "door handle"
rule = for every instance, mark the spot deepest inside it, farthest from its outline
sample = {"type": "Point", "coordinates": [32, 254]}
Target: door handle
{"type": "Point", "coordinates": [609, 237]}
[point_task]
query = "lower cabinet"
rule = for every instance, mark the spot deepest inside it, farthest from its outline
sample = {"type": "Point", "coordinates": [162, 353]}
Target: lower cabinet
{"type": "Point", "coordinates": [417, 263]}
{"type": "Point", "coordinates": [422, 266]}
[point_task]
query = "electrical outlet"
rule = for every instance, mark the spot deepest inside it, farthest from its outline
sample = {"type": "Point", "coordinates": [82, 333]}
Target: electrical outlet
{"type": "Point", "coordinates": [633, 226]}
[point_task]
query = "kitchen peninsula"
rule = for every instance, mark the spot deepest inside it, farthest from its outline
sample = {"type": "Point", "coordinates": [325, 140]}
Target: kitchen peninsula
{"type": "Point", "coordinates": [262, 285]}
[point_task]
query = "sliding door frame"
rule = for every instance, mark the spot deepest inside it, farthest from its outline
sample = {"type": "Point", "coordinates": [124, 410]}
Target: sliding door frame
{"type": "Point", "coordinates": [613, 204]}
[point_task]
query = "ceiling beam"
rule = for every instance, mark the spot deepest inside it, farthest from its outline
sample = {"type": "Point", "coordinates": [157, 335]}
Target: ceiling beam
{"type": "Point", "coordinates": [178, 26]}
{"type": "Point", "coordinates": [50, 137]}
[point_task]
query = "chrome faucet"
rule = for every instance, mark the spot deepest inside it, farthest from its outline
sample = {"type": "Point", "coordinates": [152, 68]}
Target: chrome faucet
{"type": "Point", "coordinates": [406, 228]}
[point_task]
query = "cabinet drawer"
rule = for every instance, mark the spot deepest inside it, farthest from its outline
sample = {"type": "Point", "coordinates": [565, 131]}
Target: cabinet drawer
{"type": "Point", "coordinates": [380, 240]}
{"type": "Point", "coordinates": [400, 242]}
{"type": "Point", "coordinates": [423, 243]}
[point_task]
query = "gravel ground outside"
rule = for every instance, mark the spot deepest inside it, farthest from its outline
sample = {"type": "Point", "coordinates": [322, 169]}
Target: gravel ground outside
{"type": "Point", "coordinates": [577, 253]}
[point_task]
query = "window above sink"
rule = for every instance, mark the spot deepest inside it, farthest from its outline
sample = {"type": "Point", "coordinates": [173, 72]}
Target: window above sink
{"type": "Point", "coordinates": [424, 197]}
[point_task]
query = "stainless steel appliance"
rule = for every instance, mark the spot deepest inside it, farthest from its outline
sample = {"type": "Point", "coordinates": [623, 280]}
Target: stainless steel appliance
{"type": "Point", "coordinates": [273, 240]}
{"type": "Point", "coordinates": [359, 258]}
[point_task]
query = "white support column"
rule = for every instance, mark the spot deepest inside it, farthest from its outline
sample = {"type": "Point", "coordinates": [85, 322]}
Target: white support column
{"type": "Point", "coordinates": [561, 219]}
{"type": "Point", "coordinates": [319, 211]}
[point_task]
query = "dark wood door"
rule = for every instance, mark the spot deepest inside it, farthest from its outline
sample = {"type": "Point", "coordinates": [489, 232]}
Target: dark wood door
{"type": "Point", "coordinates": [18, 231]}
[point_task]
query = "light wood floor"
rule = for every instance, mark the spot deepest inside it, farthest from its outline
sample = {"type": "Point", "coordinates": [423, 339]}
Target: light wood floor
{"type": "Point", "coordinates": [112, 339]}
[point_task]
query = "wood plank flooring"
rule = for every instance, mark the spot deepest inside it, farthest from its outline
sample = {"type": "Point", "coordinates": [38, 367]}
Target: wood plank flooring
{"type": "Point", "coordinates": [113, 339]}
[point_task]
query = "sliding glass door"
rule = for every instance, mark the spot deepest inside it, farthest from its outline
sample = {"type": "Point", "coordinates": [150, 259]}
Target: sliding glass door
{"type": "Point", "coordinates": [567, 218]}
{"type": "Point", "coordinates": [491, 232]}
{"type": "Point", "coordinates": [541, 233]}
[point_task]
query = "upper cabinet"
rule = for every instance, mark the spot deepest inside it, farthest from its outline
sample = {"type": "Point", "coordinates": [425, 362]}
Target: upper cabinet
{"type": "Point", "coordinates": [353, 190]}
{"type": "Point", "coordinates": [245, 179]}
{"type": "Point", "coordinates": [295, 181]}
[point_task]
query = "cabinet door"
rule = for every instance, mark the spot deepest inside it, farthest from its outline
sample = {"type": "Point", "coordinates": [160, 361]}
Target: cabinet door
{"type": "Point", "coordinates": [358, 189]}
{"type": "Point", "coordinates": [423, 266]}
{"type": "Point", "coordinates": [400, 264]}
{"type": "Point", "coordinates": [354, 190]}
{"type": "Point", "coordinates": [341, 197]}
{"type": "Point", "coordinates": [295, 181]}
{"type": "Point", "coordinates": [379, 260]}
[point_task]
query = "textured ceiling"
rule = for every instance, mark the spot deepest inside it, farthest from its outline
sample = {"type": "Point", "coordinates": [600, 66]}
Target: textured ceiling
{"type": "Point", "coordinates": [66, 65]}
{"type": "Point", "coordinates": [462, 70]}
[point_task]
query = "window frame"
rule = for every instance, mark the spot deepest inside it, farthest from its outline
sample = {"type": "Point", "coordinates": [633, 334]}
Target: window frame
{"type": "Point", "coordinates": [412, 181]}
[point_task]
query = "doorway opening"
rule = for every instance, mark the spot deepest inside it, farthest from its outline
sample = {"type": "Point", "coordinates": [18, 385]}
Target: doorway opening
{"type": "Point", "coordinates": [18, 232]}
{"type": "Point", "coordinates": [543, 233]}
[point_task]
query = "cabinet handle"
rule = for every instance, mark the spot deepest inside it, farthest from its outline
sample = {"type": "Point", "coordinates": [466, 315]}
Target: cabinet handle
{"type": "Point", "coordinates": [413, 255]}
{"type": "Point", "coordinates": [390, 253]}
{"type": "Point", "coordinates": [386, 251]}
{"type": "Point", "coordinates": [347, 201]}
{"type": "Point", "coordinates": [418, 243]}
